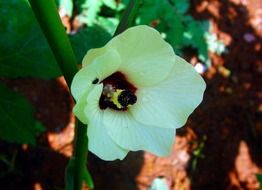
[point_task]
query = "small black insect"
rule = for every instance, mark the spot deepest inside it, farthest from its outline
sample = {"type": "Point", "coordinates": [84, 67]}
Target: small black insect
{"type": "Point", "coordinates": [95, 81]}
{"type": "Point", "coordinates": [126, 98]}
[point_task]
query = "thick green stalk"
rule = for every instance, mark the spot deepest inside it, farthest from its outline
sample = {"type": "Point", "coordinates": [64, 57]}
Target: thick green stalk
{"type": "Point", "coordinates": [49, 20]}
{"type": "Point", "coordinates": [129, 16]}
{"type": "Point", "coordinates": [80, 155]}
{"type": "Point", "coordinates": [53, 29]}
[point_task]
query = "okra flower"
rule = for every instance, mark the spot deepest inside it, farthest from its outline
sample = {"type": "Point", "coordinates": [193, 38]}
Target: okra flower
{"type": "Point", "coordinates": [133, 93]}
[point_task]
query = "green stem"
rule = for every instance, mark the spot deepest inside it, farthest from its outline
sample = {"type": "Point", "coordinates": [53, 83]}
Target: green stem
{"type": "Point", "coordinates": [53, 29]}
{"type": "Point", "coordinates": [51, 25]}
{"type": "Point", "coordinates": [80, 154]}
{"type": "Point", "coordinates": [129, 16]}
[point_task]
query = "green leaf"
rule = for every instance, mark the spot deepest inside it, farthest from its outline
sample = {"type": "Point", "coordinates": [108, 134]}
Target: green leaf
{"type": "Point", "coordinates": [176, 31]}
{"type": "Point", "coordinates": [181, 30]}
{"type": "Point", "coordinates": [110, 24]}
{"type": "Point", "coordinates": [69, 176]}
{"type": "Point", "coordinates": [89, 10]}
{"type": "Point", "coordinates": [153, 10]}
{"type": "Point", "coordinates": [110, 3]}
{"type": "Point", "coordinates": [259, 178]}
{"type": "Point", "coordinates": [181, 6]}
{"type": "Point", "coordinates": [23, 49]}
{"type": "Point", "coordinates": [197, 29]}
{"type": "Point", "coordinates": [91, 37]}
{"type": "Point", "coordinates": [88, 179]}
{"type": "Point", "coordinates": [167, 20]}
{"type": "Point", "coordinates": [129, 16]}
{"type": "Point", "coordinates": [16, 121]}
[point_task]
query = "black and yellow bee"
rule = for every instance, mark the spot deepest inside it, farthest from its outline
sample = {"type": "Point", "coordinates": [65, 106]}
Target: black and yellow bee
{"type": "Point", "coordinates": [123, 98]}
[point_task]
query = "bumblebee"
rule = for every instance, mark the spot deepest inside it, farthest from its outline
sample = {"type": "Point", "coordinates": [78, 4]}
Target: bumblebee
{"type": "Point", "coordinates": [123, 98]}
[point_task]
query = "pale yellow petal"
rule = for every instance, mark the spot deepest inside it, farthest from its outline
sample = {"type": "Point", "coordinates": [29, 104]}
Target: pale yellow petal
{"type": "Point", "coordinates": [146, 57]}
{"type": "Point", "coordinates": [170, 103]}
{"type": "Point", "coordinates": [132, 135]}
{"type": "Point", "coordinates": [100, 143]}
{"type": "Point", "coordinates": [99, 69]}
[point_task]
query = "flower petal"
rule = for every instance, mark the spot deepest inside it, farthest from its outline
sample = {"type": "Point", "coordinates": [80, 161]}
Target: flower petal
{"type": "Point", "coordinates": [100, 68]}
{"type": "Point", "coordinates": [146, 57]}
{"type": "Point", "coordinates": [170, 103]}
{"type": "Point", "coordinates": [132, 135]}
{"type": "Point", "coordinates": [92, 54]}
{"type": "Point", "coordinates": [99, 141]}
{"type": "Point", "coordinates": [79, 108]}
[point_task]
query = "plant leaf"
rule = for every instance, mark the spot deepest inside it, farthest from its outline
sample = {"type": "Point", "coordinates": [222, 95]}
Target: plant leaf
{"type": "Point", "coordinates": [69, 176]}
{"type": "Point", "coordinates": [259, 178]}
{"type": "Point", "coordinates": [153, 10]}
{"type": "Point", "coordinates": [91, 37]}
{"type": "Point", "coordinates": [16, 121]}
{"type": "Point", "coordinates": [88, 179]}
{"type": "Point", "coordinates": [23, 49]}
{"type": "Point", "coordinates": [110, 23]}
{"type": "Point", "coordinates": [181, 6]}
{"type": "Point", "coordinates": [110, 3]}
{"type": "Point", "coordinates": [89, 10]}
{"type": "Point", "coordinates": [175, 33]}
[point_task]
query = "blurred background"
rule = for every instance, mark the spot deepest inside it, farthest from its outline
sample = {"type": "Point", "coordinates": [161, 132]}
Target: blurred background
{"type": "Point", "coordinates": [219, 148]}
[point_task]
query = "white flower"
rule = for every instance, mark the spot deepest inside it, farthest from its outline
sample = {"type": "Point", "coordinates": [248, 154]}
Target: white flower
{"type": "Point", "coordinates": [133, 93]}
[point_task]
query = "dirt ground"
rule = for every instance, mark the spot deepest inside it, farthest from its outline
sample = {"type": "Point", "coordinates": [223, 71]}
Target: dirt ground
{"type": "Point", "coordinates": [220, 147]}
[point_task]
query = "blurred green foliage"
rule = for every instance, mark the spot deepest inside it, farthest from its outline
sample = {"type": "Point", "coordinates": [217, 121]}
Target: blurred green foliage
{"type": "Point", "coordinates": [259, 177]}
{"type": "Point", "coordinates": [16, 121]}
{"type": "Point", "coordinates": [69, 175]}
{"type": "Point", "coordinates": [9, 162]}
{"type": "Point", "coordinates": [23, 48]}
{"type": "Point", "coordinates": [24, 52]}
{"type": "Point", "coordinates": [170, 17]}
{"type": "Point", "coordinates": [91, 37]}
{"type": "Point", "coordinates": [198, 151]}
{"type": "Point", "coordinates": [180, 29]}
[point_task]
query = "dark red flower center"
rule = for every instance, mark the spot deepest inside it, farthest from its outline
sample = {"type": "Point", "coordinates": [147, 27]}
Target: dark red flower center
{"type": "Point", "coordinates": [118, 92]}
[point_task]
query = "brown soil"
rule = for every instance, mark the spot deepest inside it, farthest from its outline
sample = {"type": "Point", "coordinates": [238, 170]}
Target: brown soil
{"type": "Point", "coordinates": [219, 148]}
